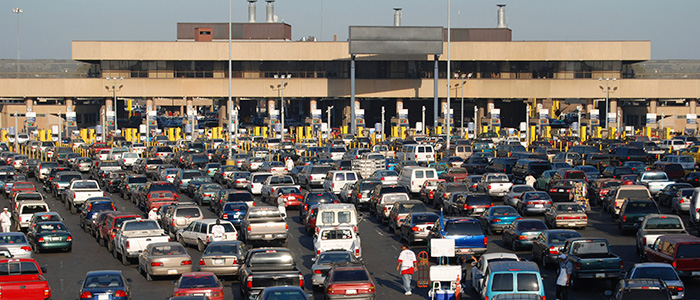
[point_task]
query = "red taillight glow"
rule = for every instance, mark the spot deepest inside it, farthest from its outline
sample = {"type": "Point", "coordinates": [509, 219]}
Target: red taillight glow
{"type": "Point", "coordinates": [201, 262]}
{"type": "Point", "coordinates": [86, 295]}
{"type": "Point", "coordinates": [156, 264]}
{"type": "Point", "coordinates": [186, 263]}
{"type": "Point", "coordinates": [553, 250]}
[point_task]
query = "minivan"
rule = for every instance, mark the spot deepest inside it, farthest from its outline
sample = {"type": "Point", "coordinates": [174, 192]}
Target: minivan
{"type": "Point", "coordinates": [523, 167]}
{"type": "Point", "coordinates": [336, 180]}
{"type": "Point", "coordinates": [336, 214]}
{"type": "Point", "coordinates": [511, 277]}
{"type": "Point", "coordinates": [417, 152]}
{"type": "Point", "coordinates": [414, 177]}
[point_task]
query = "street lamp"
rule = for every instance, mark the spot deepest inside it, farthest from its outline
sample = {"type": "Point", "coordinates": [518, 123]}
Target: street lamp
{"type": "Point", "coordinates": [230, 100]}
{"type": "Point", "coordinates": [606, 90]}
{"type": "Point", "coordinates": [464, 78]}
{"type": "Point", "coordinates": [17, 11]}
{"type": "Point", "coordinates": [449, 39]}
{"type": "Point", "coordinates": [282, 81]}
{"type": "Point", "coordinates": [114, 94]}
{"type": "Point", "coordinates": [328, 128]}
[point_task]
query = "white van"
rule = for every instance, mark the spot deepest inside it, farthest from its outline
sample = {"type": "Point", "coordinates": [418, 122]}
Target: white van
{"type": "Point", "coordinates": [417, 152]}
{"type": "Point", "coordinates": [414, 177]}
{"type": "Point", "coordinates": [256, 181]}
{"type": "Point", "coordinates": [336, 214]}
{"type": "Point", "coordinates": [336, 180]}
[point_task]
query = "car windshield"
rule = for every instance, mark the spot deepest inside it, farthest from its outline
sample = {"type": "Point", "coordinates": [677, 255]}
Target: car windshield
{"type": "Point", "coordinates": [198, 281]}
{"type": "Point", "coordinates": [23, 186]}
{"type": "Point", "coordinates": [30, 209]}
{"type": "Point", "coordinates": [536, 196]}
{"type": "Point", "coordinates": [561, 237]}
{"type": "Point", "coordinates": [168, 250]}
{"type": "Point", "coordinates": [260, 178]}
{"type": "Point", "coordinates": [498, 178]}
{"type": "Point", "coordinates": [263, 215]}
{"type": "Point", "coordinates": [222, 249]}
{"type": "Point", "coordinates": [663, 273]}
{"type": "Point", "coordinates": [350, 275]}
{"type": "Point", "coordinates": [50, 227]}
{"type": "Point", "coordinates": [103, 281]}
{"type": "Point", "coordinates": [271, 258]}
{"type": "Point", "coordinates": [29, 196]}
{"type": "Point", "coordinates": [463, 228]}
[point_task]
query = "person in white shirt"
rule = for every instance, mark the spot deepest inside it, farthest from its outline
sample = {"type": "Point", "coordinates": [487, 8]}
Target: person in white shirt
{"type": "Point", "coordinates": [218, 231]}
{"type": "Point", "coordinates": [530, 180]}
{"type": "Point", "coordinates": [153, 214]}
{"type": "Point", "coordinates": [289, 164]}
{"type": "Point", "coordinates": [282, 206]}
{"type": "Point", "coordinates": [407, 265]}
{"type": "Point", "coordinates": [5, 220]}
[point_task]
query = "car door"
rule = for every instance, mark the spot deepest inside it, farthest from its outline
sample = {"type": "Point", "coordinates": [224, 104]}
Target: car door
{"type": "Point", "coordinates": [188, 232]}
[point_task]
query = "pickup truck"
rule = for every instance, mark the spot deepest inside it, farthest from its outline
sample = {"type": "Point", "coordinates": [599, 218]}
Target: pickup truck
{"type": "Point", "coordinates": [267, 267]}
{"type": "Point", "coordinates": [654, 181]}
{"type": "Point", "coordinates": [656, 225]}
{"type": "Point", "coordinates": [495, 184]}
{"type": "Point", "coordinates": [273, 182]}
{"type": "Point", "coordinates": [79, 191]}
{"type": "Point", "coordinates": [264, 223]}
{"type": "Point", "coordinates": [592, 259]}
{"type": "Point", "coordinates": [25, 279]}
{"type": "Point", "coordinates": [133, 237]}
{"type": "Point", "coordinates": [337, 238]}
{"type": "Point", "coordinates": [616, 197]}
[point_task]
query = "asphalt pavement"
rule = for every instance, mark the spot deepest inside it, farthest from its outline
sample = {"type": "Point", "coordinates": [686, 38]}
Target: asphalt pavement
{"type": "Point", "coordinates": [380, 250]}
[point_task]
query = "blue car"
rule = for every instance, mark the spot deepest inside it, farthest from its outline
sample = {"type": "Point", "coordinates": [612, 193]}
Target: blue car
{"type": "Point", "coordinates": [105, 285]}
{"type": "Point", "coordinates": [521, 233]}
{"type": "Point", "coordinates": [234, 212]}
{"type": "Point", "coordinates": [495, 218]}
{"type": "Point", "coordinates": [467, 232]}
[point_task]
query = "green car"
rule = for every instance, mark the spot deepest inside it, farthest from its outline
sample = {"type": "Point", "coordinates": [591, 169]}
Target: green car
{"type": "Point", "coordinates": [50, 236]}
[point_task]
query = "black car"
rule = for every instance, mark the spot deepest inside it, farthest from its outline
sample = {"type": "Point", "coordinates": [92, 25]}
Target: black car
{"type": "Point", "coordinates": [476, 165]}
{"type": "Point", "coordinates": [633, 289]}
{"type": "Point", "coordinates": [670, 191]}
{"type": "Point", "coordinates": [623, 154]}
{"type": "Point", "coordinates": [559, 190]}
{"type": "Point", "coordinates": [693, 178]}
{"type": "Point", "coordinates": [616, 172]}
{"type": "Point", "coordinates": [470, 204]}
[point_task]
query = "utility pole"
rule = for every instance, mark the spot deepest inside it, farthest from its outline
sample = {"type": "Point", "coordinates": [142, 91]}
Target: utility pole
{"type": "Point", "coordinates": [60, 127]}
{"type": "Point", "coordinates": [17, 11]}
{"type": "Point", "coordinates": [449, 39]}
{"type": "Point", "coordinates": [476, 123]}
{"type": "Point", "coordinates": [328, 128]}
{"type": "Point", "coordinates": [16, 133]}
{"type": "Point", "coordinates": [383, 111]}
{"type": "Point", "coordinates": [422, 120]}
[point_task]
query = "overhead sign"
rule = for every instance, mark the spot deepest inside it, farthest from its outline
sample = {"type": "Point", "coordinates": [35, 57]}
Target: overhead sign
{"type": "Point", "coordinates": [651, 119]}
{"type": "Point", "coordinates": [70, 116]}
{"type": "Point", "coordinates": [496, 113]}
{"type": "Point", "coordinates": [691, 119]}
{"type": "Point", "coordinates": [544, 113]}
{"type": "Point", "coordinates": [316, 113]}
{"type": "Point", "coordinates": [31, 117]}
{"type": "Point", "coordinates": [595, 114]}
{"type": "Point", "coordinates": [395, 40]}
{"type": "Point", "coordinates": [403, 113]}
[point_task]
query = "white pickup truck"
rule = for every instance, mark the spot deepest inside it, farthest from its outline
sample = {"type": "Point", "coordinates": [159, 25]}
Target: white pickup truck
{"type": "Point", "coordinates": [654, 181]}
{"type": "Point", "coordinates": [133, 237]}
{"type": "Point", "coordinates": [79, 191]}
{"type": "Point", "coordinates": [337, 238]}
{"type": "Point", "coordinates": [495, 185]}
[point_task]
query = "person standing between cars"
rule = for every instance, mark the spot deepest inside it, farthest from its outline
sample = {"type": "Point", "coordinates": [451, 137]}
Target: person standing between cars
{"type": "Point", "coordinates": [153, 214]}
{"type": "Point", "coordinates": [289, 164]}
{"type": "Point", "coordinates": [5, 220]}
{"type": "Point", "coordinates": [218, 231]}
{"type": "Point", "coordinates": [281, 205]}
{"type": "Point", "coordinates": [530, 180]}
{"type": "Point", "coordinates": [564, 277]}
{"type": "Point", "coordinates": [407, 265]}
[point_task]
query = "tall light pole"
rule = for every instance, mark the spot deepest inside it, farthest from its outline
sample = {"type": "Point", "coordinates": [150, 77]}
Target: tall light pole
{"type": "Point", "coordinates": [230, 78]}
{"type": "Point", "coordinates": [328, 128]}
{"type": "Point", "coordinates": [422, 120]}
{"type": "Point", "coordinates": [282, 81]}
{"type": "Point", "coordinates": [17, 11]}
{"type": "Point", "coordinates": [114, 94]}
{"type": "Point", "coordinates": [383, 111]}
{"type": "Point", "coordinates": [449, 38]}
{"type": "Point", "coordinates": [464, 78]}
{"type": "Point", "coordinates": [606, 90]}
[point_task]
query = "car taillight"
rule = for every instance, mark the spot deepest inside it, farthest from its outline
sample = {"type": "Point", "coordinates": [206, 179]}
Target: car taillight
{"type": "Point", "coordinates": [522, 237]}
{"type": "Point", "coordinates": [301, 280]}
{"type": "Point", "coordinates": [496, 220]}
{"type": "Point", "coordinates": [673, 263]}
{"type": "Point", "coordinates": [357, 252]}
{"type": "Point", "coordinates": [624, 218]}
{"type": "Point", "coordinates": [578, 266]}
{"type": "Point", "coordinates": [317, 272]}
{"type": "Point", "coordinates": [201, 262]}
{"type": "Point", "coordinates": [26, 248]}
{"type": "Point", "coordinates": [86, 295]}
{"type": "Point", "coordinates": [248, 228]}
{"type": "Point", "coordinates": [40, 240]}
{"type": "Point", "coordinates": [622, 265]}
{"type": "Point", "coordinates": [644, 241]}
{"type": "Point", "coordinates": [186, 263]}
{"type": "Point", "coordinates": [553, 250]}
{"type": "Point", "coordinates": [127, 244]}
{"type": "Point", "coordinates": [416, 228]}
{"type": "Point", "coordinates": [69, 239]}
{"type": "Point", "coordinates": [156, 264]}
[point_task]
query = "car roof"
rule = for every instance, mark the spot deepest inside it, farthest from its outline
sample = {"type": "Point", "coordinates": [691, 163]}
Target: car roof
{"type": "Point", "coordinates": [509, 266]}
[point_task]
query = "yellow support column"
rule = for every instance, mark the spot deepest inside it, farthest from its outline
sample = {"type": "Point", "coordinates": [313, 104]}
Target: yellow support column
{"type": "Point", "coordinates": [583, 134]}
{"type": "Point", "coordinates": [439, 130]}
{"type": "Point", "coordinates": [4, 136]}
{"type": "Point", "coordinates": [178, 133]}
{"type": "Point", "coordinates": [612, 132]}
{"type": "Point", "coordinates": [548, 132]}
{"type": "Point", "coordinates": [533, 134]}
{"type": "Point", "coordinates": [359, 131]}
{"type": "Point", "coordinates": [264, 132]}
{"type": "Point", "coordinates": [403, 132]}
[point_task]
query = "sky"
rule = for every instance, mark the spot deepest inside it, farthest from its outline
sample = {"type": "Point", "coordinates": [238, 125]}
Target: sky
{"type": "Point", "coordinates": [47, 27]}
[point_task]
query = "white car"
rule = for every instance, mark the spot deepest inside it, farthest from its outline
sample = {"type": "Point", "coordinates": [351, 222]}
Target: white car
{"type": "Point", "coordinates": [515, 193]}
{"type": "Point", "coordinates": [337, 238]}
{"type": "Point", "coordinates": [387, 177]}
{"type": "Point", "coordinates": [22, 138]}
{"type": "Point", "coordinates": [256, 181]}
{"type": "Point", "coordinates": [128, 159]}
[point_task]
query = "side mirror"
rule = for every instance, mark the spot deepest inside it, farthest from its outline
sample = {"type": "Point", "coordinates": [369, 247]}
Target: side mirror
{"type": "Point", "coordinates": [129, 280]}
{"type": "Point", "coordinates": [44, 270]}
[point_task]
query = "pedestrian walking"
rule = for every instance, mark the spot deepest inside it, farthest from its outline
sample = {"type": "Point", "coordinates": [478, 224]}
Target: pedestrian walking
{"type": "Point", "coordinates": [282, 206]}
{"type": "Point", "coordinates": [407, 265]}
{"type": "Point", "coordinates": [564, 277]}
{"type": "Point", "coordinates": [153, 214]}
{"type": "Point", "coordinates": [289, 163]}
{"type": "Point", "coordinates": [5, 220]}
{"type": "Point", "coordinates": [530, 180]}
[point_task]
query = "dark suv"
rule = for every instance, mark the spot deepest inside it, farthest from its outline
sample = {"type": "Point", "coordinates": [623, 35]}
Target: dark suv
{"type": "Point", "coordinates": [648, 289]}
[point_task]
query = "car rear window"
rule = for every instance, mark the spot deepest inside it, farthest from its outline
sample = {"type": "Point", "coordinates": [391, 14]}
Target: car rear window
{"type": "Point", "coordinates": [463, 228]}
{"type": "Point", "coordinates": [350, 275]}
{"type": "Point", "coordinates": [143, 225]}
{"type": "Point", "coordinates": [198, 281]}
{"type": "Point", "coordinates": [137, 180]}
{"type": "Point", "coordinates": [641, 207]}
{"type": "Point", "coordinates": [528, 282]}
{"type": "Point", "coordinates": [522, 189]}
{"type": "Point", "coordinates": [502, 282]}
{"type": "Point", "coordinates": [271, 258]}
{"type": "Point", "coordinates": [23, 186]}
{"type": "Point", "coordinates": [18, 268]}
{"type": "Point", "coordinates": [30, 209]}
{"type": "Point", "coordinates": [188, 212]}
{"type": "Point", "coordinates": [260, 178]}
{"type": "Point", "coordinates": [531, 225]}
{"type": "Point", "coordinates": [412, 207]}
{"type": "Point", "coordinates": [85, 185]}
{"type": "Point", "coordinates": [688, 251]}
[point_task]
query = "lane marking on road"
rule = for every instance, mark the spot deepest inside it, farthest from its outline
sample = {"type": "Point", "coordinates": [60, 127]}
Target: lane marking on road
{"type": "Point", "coordinates": [379, 232]}
{"type": "Point", "coordinates": [393, 246]}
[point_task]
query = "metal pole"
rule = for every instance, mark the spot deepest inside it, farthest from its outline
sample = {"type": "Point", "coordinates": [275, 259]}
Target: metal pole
{"type": "Point", "coordinates": [461, 114]}
{"type": "Point", "coordinates": [114, 105]}
{"type": "Point", "coordinates": [352, 94]}
{"type": "Point", "coordinates": [17, 11]}
{"type": "Point", "coordinates": [16, 132]}
{"type": "Point", "coordinates": [578, 131]}
{"type": "Point", "coordinates": [148, 127]}
{"type": "Point", "coordinates": [607, 108]}
{"type": "Point", "coordinates": [527, 124]}
{"type": "Point", "coordinates": [423, 120]}
{"type": "Point", "coordinates": [476, 123]}
{"type": "Point", "coordinates": [328, 128]}
{"type": "Point", "coordinates": [230, 100]}
{"type": "Point", "coordinates": [282, 109]}
{"type": "Point", "coordinates": [447, 114]}
{"type": "Point", "coordinates": [383, 134]}
{"type": "Point", "coordinates": [436, 109]}
{"type": "Point", "coordinates": [60, 127]}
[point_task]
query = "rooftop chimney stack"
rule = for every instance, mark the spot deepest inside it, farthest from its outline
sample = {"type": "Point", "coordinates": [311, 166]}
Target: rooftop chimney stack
{"type": "Point", "coordinates": [397, 16]}
{"type": "Point", "coordinates": [270, 11]}
{"type": "Point", "coordinates": [502, 16]}
{"type": "Point", "coordinates": [251, 11]}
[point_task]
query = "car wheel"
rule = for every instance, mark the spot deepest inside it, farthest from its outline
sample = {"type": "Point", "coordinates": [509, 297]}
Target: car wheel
{"type": "Point", "coordinates": [543, 258]}
{"type": "Point", "coordinates": [114, 253]}
{"type": "Point", "coordinates": [181, 241]}
{"type": "Point", "coordinates": [68, 250]}
{"type": "Point", "coordinates": [125, 260]}
{"type": "Point", "coordinates": [200, 246]}
{"type": "Point", "coordinates": [513, 246]}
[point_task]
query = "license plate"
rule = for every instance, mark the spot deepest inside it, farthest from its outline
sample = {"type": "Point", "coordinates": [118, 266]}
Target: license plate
{"type": "Point", "coordinates": [103, 297]}
{"type": "Point", "coordinates": [268, 236]}
{"type": "Point", "coordinates": [55, 238]}
{"type": "Point", "coordinates": [465, 250]}
{"type": "Point", "coordinates": [198, 294]}
{"type": "Point", "coordinates": [219, 261]}
{"type": "Point", "coordinates": [539, 206]}
{"type": "Point", "coordinates": [561, 191]}
{"type": "Point", "coordinates": [599, 275]}
{"type": "Point", "coordinates": [572, 224]}
{"type": "Point", "coordinates": [172, 271]}
{"type": "Point", "coordinates": [350, 292]}
{"type": "Point", "coordinates": [479, 210]}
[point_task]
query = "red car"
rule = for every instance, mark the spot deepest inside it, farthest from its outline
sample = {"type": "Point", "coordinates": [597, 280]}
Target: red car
{"type": "Point", "coordinates": [349, 281]}
{"type": "Point", "coordinates": [20, 187]}
{"type": "Point", "coordinates": [292, 196]}
{"type": "Point", "coordinates": [159, 198]}
{"type": "Point", "coordinates": [455, 174]}
{"type": "Point", "coordinates": [200, 284]}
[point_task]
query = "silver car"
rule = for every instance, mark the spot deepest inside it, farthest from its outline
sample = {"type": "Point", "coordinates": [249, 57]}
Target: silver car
{"type": "Point", "coordinates": [17, 243]}
{"type": "Point", "coordinates": [662, 271]}
{"type": "Point", "coordinates": [223, 258]}
{"type": "Point", "coordinates": [534, 202]}
{"type": "Point", "coordinates": [325, 262]}
{"type": "Point", "coordinates": [515, 192]}
{"type": "Point", "coordinates": [680, 204]}
{"type": "Point", "coordinates": [162, 259]}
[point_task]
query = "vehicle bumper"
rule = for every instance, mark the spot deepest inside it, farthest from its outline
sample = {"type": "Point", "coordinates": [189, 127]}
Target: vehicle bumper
{"type": "Point", "coordinates": [598, 275]}
{"type": "Point", "coordinates": [356, 296]}
{"type": "Point", "coordinates": [163, 271]}
{"type": "Point", "coordinates": [54, 245]}
{"type": "Point", "coordinates": [316, 182]}
{"type": "Point", "coordinates": [572, 224]}
{"type": "Point", "coordinates": [536, 210]}
{"type": "Point", "coordinates": [475, 251]}
{"type": "Point", "coordinates": [498, 194]}
{"type": "Point", "coordinates": [220, 270]}
{"type": "Point", "coordinates": [523, 243]}
{"type": "Point", "coordinates": [317, 279]}
{"type": "Point", "coordinates": [630, 226]}
{"type": "Point", "coordinates": [267, 237]}
{"type": "Point", "coordinates": [688, 273]}
{"type": "Point", "coordinates": [497, 227]}
{"type": "Point", "coordinates": [420, 236]}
